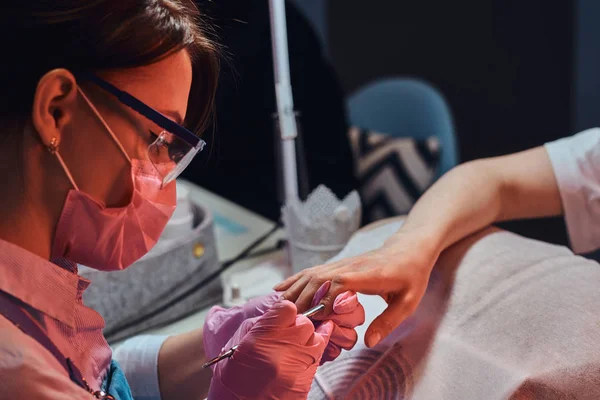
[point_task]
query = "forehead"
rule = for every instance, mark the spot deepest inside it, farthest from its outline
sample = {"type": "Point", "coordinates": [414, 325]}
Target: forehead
{"type": "Point", "coordinates": [164, 85]}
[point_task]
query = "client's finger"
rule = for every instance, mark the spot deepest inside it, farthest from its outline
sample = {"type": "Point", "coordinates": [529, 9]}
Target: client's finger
{"type": "Point", "coordinates": [321, 292]}
{"type": "Point", "coordinates": [351, 319]}
{"type": "Point", "coordinates": [345, 302]}
{"type": "Point", "coordinates": [390, 318]}
{"type": "Point", "coordinates": [348, 281]}
{"type": "Point", "coordinates": [288, 282]}
{"type": "Point", "coordinates": [312, 294]}
{"type": "Point", "coordinates": [297, 287]}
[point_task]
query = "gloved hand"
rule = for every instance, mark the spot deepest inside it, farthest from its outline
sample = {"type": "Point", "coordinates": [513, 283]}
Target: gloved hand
{"type": "Point", "coordinates": [347, 314]}
{"type": "Point", "coordinates": [277, 357]}
{"type": "Point", "coordinates": [221, 323]}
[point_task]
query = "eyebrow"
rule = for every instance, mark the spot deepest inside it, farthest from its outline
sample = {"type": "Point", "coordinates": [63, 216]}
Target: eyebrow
{"type": "Point", "coordinates": [173, 114]}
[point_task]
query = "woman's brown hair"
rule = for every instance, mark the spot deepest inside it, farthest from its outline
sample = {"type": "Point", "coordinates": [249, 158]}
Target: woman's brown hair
{"type": "Point", "coordinates": [37, 36]}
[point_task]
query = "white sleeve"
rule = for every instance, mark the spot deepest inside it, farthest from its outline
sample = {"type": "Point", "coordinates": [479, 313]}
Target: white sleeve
{"type": "Point", "coordinates": [138, 358]}
{"type": "Point", "coordinates": [576, 164]}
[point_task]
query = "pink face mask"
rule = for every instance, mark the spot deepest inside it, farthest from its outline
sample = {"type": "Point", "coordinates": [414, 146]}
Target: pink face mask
{"type": "Point", "coordinates": [108, 239]}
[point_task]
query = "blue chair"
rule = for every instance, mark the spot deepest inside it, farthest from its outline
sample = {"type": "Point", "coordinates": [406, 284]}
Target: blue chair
{"type": "Point", "coordinates": [404, 107]}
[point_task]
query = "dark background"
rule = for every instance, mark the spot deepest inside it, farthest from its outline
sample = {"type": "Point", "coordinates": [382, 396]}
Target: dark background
{"type": "Point", "coordinates": [516, 74]}
{"type": "Point", "coordinates": [505, 67]}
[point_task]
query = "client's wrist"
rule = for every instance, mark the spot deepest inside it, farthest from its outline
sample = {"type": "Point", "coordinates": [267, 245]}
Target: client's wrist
{"type": "Point", "coordinates": [426, 241]}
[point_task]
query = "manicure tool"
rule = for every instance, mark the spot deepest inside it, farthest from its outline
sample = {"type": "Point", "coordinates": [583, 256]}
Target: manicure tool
{"type": "Point", "coordinates": [229, 353]}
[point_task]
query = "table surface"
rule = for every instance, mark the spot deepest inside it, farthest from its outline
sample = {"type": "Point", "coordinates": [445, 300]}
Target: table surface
{"type": "Point", "coordinates": [235, 226]}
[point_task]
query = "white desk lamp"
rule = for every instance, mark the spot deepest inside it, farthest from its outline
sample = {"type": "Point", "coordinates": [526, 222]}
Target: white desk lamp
{"type": "Point", "coordinates": [320, 227]}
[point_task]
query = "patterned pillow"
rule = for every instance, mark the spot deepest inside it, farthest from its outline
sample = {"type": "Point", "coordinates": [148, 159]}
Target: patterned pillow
{"type": "Point", "coordinates": [392, 172]}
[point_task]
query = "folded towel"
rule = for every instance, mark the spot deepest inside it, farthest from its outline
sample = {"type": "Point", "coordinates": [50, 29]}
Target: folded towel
{"type": "Point", "coordinates": [503, 318]}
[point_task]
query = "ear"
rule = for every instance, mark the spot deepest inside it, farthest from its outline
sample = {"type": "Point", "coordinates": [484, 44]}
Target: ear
{"type": "Point", "coordinates": [54, 104]}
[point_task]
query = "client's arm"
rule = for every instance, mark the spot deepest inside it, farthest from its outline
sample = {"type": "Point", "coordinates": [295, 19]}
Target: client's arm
{"type": "Point", "coordinates": [479, 193]}
{"type": "Point", "coordinates": [467, 199]}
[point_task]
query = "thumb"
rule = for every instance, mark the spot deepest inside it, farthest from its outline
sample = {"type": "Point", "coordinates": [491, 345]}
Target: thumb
{"type": "Point", "coordinates": [259, 305]}
{"type": "Point", "coordinates": [326, 329]}
{"type": "Point", "coordinates": [385, 323]}
{"type": "Point", "coordinates": [282, 314]}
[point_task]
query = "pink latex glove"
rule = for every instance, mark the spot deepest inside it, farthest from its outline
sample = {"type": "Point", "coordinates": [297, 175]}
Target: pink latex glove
{"type": "Point", "coordinates": [347, 314]}
{"type": "Point", "coordinates": [277, 357]}
{"type": "Point", "coordinates": [221, 323]}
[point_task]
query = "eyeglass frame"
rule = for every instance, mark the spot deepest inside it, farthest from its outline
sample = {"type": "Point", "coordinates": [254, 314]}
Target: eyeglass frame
{"type": "Point", "coordinates": [145, 110]}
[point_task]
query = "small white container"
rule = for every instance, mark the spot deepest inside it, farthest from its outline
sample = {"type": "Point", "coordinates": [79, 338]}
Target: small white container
{"type": "Point", "coordinates": [181, 223]}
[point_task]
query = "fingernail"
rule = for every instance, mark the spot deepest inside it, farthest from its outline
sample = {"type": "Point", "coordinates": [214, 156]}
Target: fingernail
{"type": "Point", "coordinates": [345, 303]}
{"type": "Point", "coordinates": [373, 339]}
{"type": "Point", "coordinates": [321, 293]}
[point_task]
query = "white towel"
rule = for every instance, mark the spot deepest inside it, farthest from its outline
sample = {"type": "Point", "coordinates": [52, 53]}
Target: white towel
{"type": "Point", "coordinates": [513, 318]}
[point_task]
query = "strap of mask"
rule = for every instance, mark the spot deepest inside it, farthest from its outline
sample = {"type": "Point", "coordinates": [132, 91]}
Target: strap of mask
{"type": "Point", "coordinates": [95, 111]}
{"type": "Point", "coordinates": [87, 100]}
{"type": "Point", "coordinates": [64, 166]}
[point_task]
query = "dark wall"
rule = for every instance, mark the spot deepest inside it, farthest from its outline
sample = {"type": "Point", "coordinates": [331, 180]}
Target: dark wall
{"type": "Point", "coordinates": [587, 64]}
{"type": "Point", "coordinates": [316, 12]}
{"type": "Point", "coordinates": [506, 67]}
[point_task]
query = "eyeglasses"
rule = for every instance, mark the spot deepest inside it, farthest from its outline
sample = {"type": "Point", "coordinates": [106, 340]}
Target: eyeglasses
{"type": "Point", "coordinates": [173, 149]}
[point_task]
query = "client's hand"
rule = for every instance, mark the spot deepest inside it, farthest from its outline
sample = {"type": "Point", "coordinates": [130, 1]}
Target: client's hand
{"type": "Point", "coordinates": [398, 272]}
{"type": "Point", "coordinates": [221, 323]}
{"type": "Point", "coordinates": [277, 357]}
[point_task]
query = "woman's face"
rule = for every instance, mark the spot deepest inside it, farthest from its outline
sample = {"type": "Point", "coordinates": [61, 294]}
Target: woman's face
{"type": "Point", "coordinates": [91, 155]}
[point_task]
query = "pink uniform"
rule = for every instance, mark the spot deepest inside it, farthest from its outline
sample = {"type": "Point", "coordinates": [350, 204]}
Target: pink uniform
{"type": "Point", "coordinates": [51, 293]}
